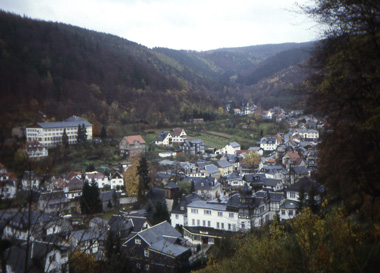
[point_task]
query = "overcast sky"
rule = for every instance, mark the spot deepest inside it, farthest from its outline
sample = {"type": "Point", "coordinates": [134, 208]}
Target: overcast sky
{"type": "Point", "coordinates": [179, 24]}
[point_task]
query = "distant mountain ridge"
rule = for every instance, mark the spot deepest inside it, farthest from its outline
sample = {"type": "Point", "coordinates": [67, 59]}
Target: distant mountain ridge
{"type": "Point", "coordinates": [63, 70]}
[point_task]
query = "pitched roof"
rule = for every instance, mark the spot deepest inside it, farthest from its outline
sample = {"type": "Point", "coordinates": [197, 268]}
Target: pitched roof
{"type": "Point", "coordinates": [234, 144]}
{"type": "Point", "coordinates": [131, 139]}
{"type": "Point", "coordinates": [177, 131]}
{"type": "Point", "coordinates": [162, 238]}
{"type": "Point", "coordinates": [223, 163]}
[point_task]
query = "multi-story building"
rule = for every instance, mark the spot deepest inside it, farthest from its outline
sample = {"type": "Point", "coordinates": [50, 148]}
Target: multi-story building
{"type": "Point", "coordinates": [193, 147]}
{"type": "Point", "coordinates": [130, 146]}
{"type": "Point", "coordinates": [50, 134]}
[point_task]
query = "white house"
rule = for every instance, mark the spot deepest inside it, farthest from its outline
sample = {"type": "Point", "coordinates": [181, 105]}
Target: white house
{"type": "Point", "coordinates": [307, 133]}
{"type": "Point", "coordinates": [230, 148]}
{"type": "Point", "coordinates": [99, 178]}
{"type": "Point", "coordinates": [117, 181]}
{"type": "Point", "coordinates": [269, 143]}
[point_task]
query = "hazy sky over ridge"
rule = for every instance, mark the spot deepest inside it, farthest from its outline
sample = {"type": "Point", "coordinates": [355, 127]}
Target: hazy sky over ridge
{"type": "Point", "coordinates": [179, 24]}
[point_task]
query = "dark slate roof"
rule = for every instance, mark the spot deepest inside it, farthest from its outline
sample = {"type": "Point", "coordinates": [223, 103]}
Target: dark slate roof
{"type": "Point", "coordinates": [137, 222]}
{"type": "Point", "coordinates": [185, 200]}
{"type": "Point", "coordinates": [223, 164]}
{"type": "Point", "coordinates": [211, 169]}
{"type": "Point", "coordinates": [271, 182]}
{"type": "Point", "coordinates": [155, 195]}
{"type": "Point", "coordinates": [202, 163]}
{"type": "Point", "coordinates": [276, 196]}
{"type": "Point", "coordinates": [74, 121]}
{"type": "Point", "coordinates": [161, 238]}
{"type": "Point", "coordinates": [259, 177]}
{"type": "Point", "coordinates": [203, 183]}
{"type": "Point", "coordinates": [234, 176]}
{"type": "Point", "coordinates": [289, 204]}
{"type": "Point", "coordinates": [300, 170]}
{"type": "Point", "coordinates": [89, 234]}
{"type": "Point", "coordinates": [171, 185]}
{"type": "Point", "coordinates": [162, 136]}
{"type": "Point", "coordinates": [304, 183]}
{"type": "Point", "coordinates": [119, 223]}
{"type": "Point", "coordinates": [210, 232]}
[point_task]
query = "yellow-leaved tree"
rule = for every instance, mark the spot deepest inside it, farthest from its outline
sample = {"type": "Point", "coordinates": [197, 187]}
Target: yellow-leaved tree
{"type": "Point", "coordinates": [131, 179]}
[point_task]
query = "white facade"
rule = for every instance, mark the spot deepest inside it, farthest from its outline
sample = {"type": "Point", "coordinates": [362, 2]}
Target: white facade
{"type": "Point", "coordinates": [50, 133]}
{"type": "Point", "coordinates": [269, 143]}
{"type": "Point", "coordinates": [307, 133]}
{"type": "Point", "coordinates": [117, 181]}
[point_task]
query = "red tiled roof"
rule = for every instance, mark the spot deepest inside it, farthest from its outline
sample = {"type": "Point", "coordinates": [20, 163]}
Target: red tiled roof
{"type": "Point", "coordinates": [131, 139]}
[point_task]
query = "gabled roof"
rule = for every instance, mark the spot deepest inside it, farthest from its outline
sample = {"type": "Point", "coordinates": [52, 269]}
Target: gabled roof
{"type": "Point", "coordinates": [162, 136]}
{"type": "Point", "coordinates": [223, 164]}
{"type": "Point", "coordinates": [234, 144]}
{"type": "Point", "coordinates": [131, 139]}
{"type": "Point", "coordinates": [162, 238]}
{"type": "Point", "coordinates": [211, 169]}
{"type": "Point", "coordinates": [177, 131]}
{"type": "Point", "coordinates": [171, 185]}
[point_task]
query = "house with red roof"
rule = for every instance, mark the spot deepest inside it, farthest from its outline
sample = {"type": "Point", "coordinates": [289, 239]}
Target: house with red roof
{"type": "Point", "coordinates": [130, 146]}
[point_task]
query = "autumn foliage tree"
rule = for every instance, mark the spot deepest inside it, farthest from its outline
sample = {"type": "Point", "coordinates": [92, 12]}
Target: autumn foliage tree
{"type": "Point", "coordinates": [345, 90]}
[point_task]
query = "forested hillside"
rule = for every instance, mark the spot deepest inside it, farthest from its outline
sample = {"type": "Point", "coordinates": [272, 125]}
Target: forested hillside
{"type": "Point", "coordinates": [62, 70]}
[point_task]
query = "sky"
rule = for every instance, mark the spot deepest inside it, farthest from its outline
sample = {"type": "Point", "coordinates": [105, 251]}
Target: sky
{"type": "Point", "coordinates": [179, 24]}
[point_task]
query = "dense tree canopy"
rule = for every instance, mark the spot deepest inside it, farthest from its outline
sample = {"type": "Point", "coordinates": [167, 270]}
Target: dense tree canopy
{"type": "Point", "coordinates": [346, 91]}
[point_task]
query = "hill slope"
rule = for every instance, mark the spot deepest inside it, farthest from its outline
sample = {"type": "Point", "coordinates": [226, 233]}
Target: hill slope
{"type": "Point", "coordinates": [62, 70]}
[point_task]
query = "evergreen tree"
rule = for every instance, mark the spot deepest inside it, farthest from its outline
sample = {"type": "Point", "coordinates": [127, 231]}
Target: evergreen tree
{"type": "Point", "coordinates": [144, 179]}
{"type": "Point", "coordinates": [103, 132]}
{"type": "Point", "coordinates": [65, 139]}
{"type": "Point", "coordinates": [161, 213]}
{"type": "Point", "coordinates": [79, 134]}
{"type": "Point", "coordinates": [90, 201]}
{"type": "Point", "coordinates": [84, 133]}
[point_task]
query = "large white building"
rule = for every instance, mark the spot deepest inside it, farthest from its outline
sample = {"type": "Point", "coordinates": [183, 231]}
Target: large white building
{"type": "Point", "coordinates": [50, 133]}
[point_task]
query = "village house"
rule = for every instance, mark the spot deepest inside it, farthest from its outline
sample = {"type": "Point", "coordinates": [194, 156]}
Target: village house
{"type": "Point", "coordinates": [159, 248]}
{"type": "Point", "coordinates": [133, 145]}
{"type": "Point", "coordinates": [117, 181]}
{"type": "Point", "coordinates": [269, 143]}
{"type": "Point", "coordinates": [37, 256]}
{"type": "Point", "coordinates": [206, 187]}
{"type": "Point", "coordinates": [54, 203]}
{"type": "Point", "coordinates": [35, 150]}
{"type": "Point", "coordinates": [193, 147]}
{"type": "Point", "coordinates": [100, 179]}
{"type": "Point", "coordinates": [8, 186]}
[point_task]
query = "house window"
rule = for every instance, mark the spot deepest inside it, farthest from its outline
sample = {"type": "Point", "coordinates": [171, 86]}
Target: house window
{"type": "Point", "coordinates": [198, 222]}
{"type": "Point", "coordinates": [146, 253]}
{"type": "Point", "coordinates": [217, 224]}
{"type": "Point", "coordinates": [204, 223]}
{"type": "Point", "coordinates": [220, 214]}
{"type": "Point", "coordinates": [292, 195]}
{"type": "Point", "coordinates": [193, 222]}
{"type": "Point", "coordinates": [229, 226]}
{"type": "Point", "coordinates": [207, 212]}
{"type": "Point", "coordinates": [282, 212]}
{"type": "Point", "coordinates": [222, 225]}
{"type": "Point", "coordinates": [194, 211]}
{"type": "Point", "coordinates": [137, 241]}
{"type": "Point", "coordinates": [176, 216]}
{"type": "Point", "coordinates": [231, 215]}
{"type": "Point", "coordinates": [291, 212]}
{"type": "Point", "coordinates": [208, 223]}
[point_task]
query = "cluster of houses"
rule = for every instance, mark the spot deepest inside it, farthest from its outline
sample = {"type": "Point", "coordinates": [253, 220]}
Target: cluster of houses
{"type": "Point", "coordinates": [229, 194]}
